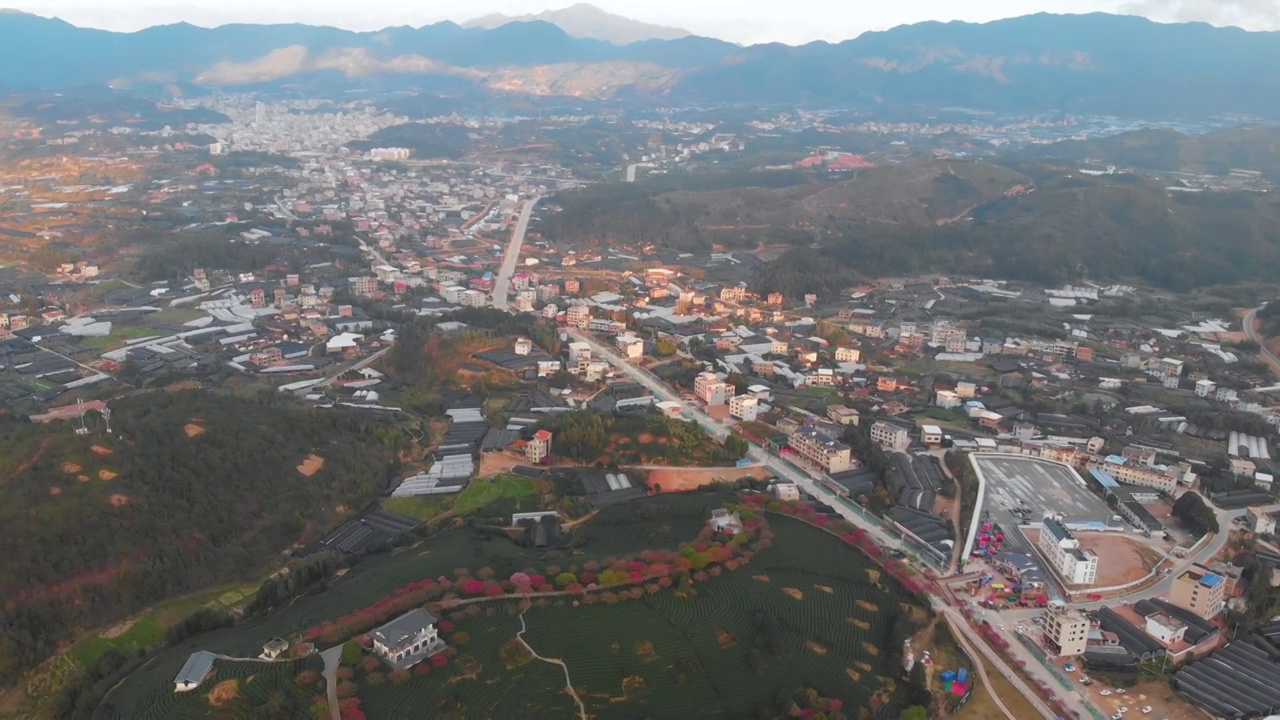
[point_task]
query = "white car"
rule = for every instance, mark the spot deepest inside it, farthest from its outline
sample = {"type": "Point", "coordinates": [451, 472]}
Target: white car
{"type": "Point", "coordinates": [1119, 691]}
{"type": "Point", "coordinates": [1105, 693]}
{"type": "Point", "coordinates": [1146, 709]}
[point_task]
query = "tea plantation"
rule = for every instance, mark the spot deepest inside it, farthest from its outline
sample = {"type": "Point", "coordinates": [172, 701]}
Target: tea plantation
{"type": "Point", "coordinates": [803, 612]}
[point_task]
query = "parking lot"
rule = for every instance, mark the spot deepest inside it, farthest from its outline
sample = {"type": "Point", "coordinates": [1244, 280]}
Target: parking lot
{"type": "Point", "coordinates": [1021, 490]}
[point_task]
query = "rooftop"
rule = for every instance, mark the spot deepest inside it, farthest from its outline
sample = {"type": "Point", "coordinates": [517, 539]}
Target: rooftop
{"type": "Point", "coordinates": [400, 630]}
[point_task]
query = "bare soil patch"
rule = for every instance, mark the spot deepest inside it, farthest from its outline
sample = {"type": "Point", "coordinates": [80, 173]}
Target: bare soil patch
{"type": "Point", "coordinates": [826, 589]}
{"type": "Point", "coordinates": [194, 430]}
{"type": "Point", "coordinates": [101, 450]}
{"type": "Point", "coordinates": [869, 648]}
{"type": "Point", "coordinates": [816, 648]}
{"type": "Point", "coordinates": [873, 575]}
{"type": "Point", "coordinates": [83, 478]}
{"type": "Point", "coordinates": [861, 624]}
{"type": "Point", "coordinates": [119, 628]}
{"type": "Point", "coordinates": [224, 693]}
{"type": "Point", "coordinates": [853, 674]}
{"type": "Point", "coordinates": [679, 479]}
{"type": "Point", "coordinates": [793, 593]}
{"type": "Point", "coordinates": [724, 638]}
{"type": "Point", "coordinates": [868, 605]}
{"type": "Point", "coordinates": [55, 490]}
{"type": "Point", "coordinates": [645, 649]}
{"type": "Point", "coordinates": [643, 438]}
{"type": "Point", "coordinates": [761, 578]}
{"type": "Point", "coordinates": [105, 474]}
{"type": "Point", "coordinates": [1125, 558]}
{"type": "Point", "coordinates": [71, 468]}
{"type": "Point", "coordinates": [118, 500]}
{"type": "Point", "coordinates": [311, 465]}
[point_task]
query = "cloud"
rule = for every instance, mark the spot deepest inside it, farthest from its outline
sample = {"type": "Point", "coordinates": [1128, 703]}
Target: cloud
{"type": "Point", "coordinates": [1248, 14]}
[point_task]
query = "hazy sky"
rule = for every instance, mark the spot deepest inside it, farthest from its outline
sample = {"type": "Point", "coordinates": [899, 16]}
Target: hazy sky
{"type": "Point", "coordinates": [746, 21]}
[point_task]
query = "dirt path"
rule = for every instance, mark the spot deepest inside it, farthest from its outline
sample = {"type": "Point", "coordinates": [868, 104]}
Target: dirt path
{"type": "Point", "coordinates": [954, 562]}
{"type": "Point", "coordinates": [29, 460]}
{"type": "Point", "coordinates": [568, 683]}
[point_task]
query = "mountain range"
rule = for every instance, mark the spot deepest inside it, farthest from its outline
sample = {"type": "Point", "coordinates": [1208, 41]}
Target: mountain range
{"type": "Point", "coordinates": [1085, 64]}
{"type": "Point", "coordinates": [584, 20]}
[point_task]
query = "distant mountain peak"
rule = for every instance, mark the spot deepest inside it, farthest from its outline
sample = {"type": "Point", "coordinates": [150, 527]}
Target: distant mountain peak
{"type": "Point", "coordinates": [586, 21]}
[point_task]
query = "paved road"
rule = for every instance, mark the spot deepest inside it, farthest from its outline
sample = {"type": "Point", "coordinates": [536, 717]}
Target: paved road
{"type": "Point", "coordinates": [1251, 333]}
{"type": "Point", "coordinates": [502, 283]}
{"type": "Point", "coordinates": [332, 658]}
{"type": "Point", "coordinates": [720, 431]}
{"type": "Point", "coordinates": [365, 362]}
{"type": "Point", "coordinates": [965, 636]}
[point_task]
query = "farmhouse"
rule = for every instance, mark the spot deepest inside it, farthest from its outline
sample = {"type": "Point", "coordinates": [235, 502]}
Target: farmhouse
{"type": "Point", "coordinates": [407, 640]}
{"type": "Point", "coordinates": [726, 522]}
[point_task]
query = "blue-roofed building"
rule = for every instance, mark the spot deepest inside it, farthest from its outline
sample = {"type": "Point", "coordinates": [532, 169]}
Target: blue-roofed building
{"type": "Point", "coordinates": [1105, 480]}
{"type": "Point", "coordinates": [1199, 590]}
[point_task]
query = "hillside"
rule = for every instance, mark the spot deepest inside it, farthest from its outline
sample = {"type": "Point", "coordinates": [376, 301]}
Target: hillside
{"type": "Point", "coordinates": [191, 488]}
{"type": "Point", "coordinates": [1082, 64]}
{"type": "Point", "coordinates": [1038, 222]}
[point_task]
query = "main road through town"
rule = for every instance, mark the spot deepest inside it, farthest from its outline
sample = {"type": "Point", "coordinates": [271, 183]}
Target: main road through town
{"type": "Point", "coordinates": [502, 283]}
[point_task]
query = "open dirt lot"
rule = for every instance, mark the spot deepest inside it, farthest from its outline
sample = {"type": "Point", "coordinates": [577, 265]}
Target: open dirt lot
{"type": "Point", "coordinates": [494, 463]}
{"type": "Point", "coordinates": [677, 479]}
{"type": "Point", "coordinates": [1121, 558]}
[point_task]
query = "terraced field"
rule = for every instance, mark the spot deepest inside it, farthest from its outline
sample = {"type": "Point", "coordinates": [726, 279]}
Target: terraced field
{"type": "Point", "coordinates": [236, 690]}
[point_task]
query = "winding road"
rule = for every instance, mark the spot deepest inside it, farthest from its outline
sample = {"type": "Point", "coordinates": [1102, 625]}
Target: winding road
{"type": "Point", "coordinates": [1251, 332]}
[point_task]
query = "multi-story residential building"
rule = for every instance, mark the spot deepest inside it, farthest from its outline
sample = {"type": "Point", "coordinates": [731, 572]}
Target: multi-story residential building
{"type": "Point", "coordinates": [538, 447]}
{"type": "Point", "coordinates": [632, 347]}
{"type": "Point", "coordinates": [889, 435]}
{"type": "Point", "coordinates": [711, 389]}
{"type": "Point", "coordinates": [831, 455]}
{"type": "Point", "coordinates": [733, 293]}
{"type": "Point", "coordinates": [1199, 590]}
{"type": "Point", "coordinates": [578, 316]}
{"type": "Point", "coordinates": [1075, 565]}
{"type": "Point", "coordinates": [842, 415]}
{"type": "Point", "coordinates": [1205, 388]}
{"type": "Point", "coordinates": [947, 399]}
{"type": "Point", "coordinates": [605, 325]}
{"type": "Point", "coordinates": [474, 298]}
{"type": "Point", "coordinates": [744, 407]}
{"type": "Point", "coordinates": [452, 293]}
{"type": "Point", "coordinates": [523, 346]}
{"type": "Point", "coordinates": [579, 351]}
{"type": "Point", "coordinates": [1066, 630]}
{"type": "Point", "coordinates": [364, 286]}
{"type": "Point", "coordinates": [966, 390]}
{"type": "Point", "coordinates": [851, 355]}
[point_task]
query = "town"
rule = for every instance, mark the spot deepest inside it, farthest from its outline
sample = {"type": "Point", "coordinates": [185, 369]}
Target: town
{"type": "Point", "coordinates": [1083, 473]}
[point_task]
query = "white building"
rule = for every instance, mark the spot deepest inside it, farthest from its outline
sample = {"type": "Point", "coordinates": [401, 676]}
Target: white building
{"type": "Point", "coordinates": [407, 640]}
{"type": "Point", "coordinates": [1076, 566]}
{"type": "Point", "coordinates": [578, 316]}
{"type": "Point", "coordinates": [1066, 630]}
{"type": "Point", "coordinates": [578, 352]}
{"type": "Point", "coordinates": [1205, 388]}
{"type": "Point", "coordinates": [948, 400]}
{"type": "Point", "coordinates": [851, 355]}
{"type": "Point", "coordinates": [631, 347]}
{"type": "Point", "coordinates": [744, 407]}
{"type": "Point", "coordinates": [889, 435]}
{"type": "Point", "coordinates": [523, 346]}
{"type": "Point", "coordinates": [710, 389]}
{"type": "Point", "coordinates": [931, 435]}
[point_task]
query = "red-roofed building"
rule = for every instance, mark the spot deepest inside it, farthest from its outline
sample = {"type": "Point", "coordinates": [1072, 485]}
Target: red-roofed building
{"type": "Point", "coordinates": [538, 447]}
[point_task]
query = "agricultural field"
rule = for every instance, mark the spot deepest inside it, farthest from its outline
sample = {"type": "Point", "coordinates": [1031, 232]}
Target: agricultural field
{"type": "Point", "coordinates": [478, 495]}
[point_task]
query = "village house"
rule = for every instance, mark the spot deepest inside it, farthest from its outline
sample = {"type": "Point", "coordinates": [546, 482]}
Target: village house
{"type": "Point", "coordinates": [407, 640]}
